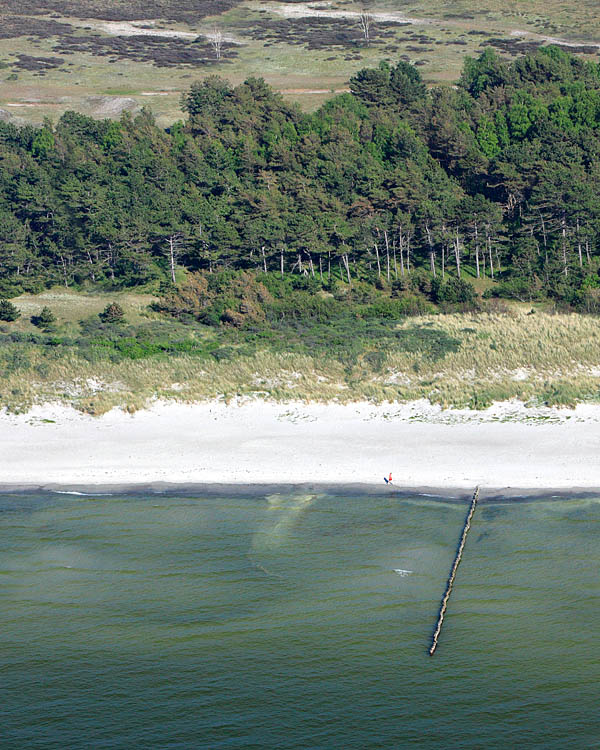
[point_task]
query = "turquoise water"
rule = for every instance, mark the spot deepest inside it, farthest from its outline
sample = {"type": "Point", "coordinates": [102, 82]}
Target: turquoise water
{"type": "Point", "coordinates": [282, 622]}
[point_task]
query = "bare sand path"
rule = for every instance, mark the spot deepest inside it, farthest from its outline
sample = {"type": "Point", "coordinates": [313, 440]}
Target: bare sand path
{"type": "Point", "coordinates": [555, 40]}
{"type": "Point", "coordinates": [149, 28]}
{"type": "Point", "coordinates": [321, 10]}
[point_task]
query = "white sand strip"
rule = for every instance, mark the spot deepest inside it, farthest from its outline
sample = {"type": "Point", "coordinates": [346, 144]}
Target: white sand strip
{"type": "Point", "coordinates": [145, 28]}
{"type": "Point", "coordinates": [554, 40]}
{"type": "Point", "coordinates": [310, 10]}
{"type": "Point", "coordinates": [258, 442]}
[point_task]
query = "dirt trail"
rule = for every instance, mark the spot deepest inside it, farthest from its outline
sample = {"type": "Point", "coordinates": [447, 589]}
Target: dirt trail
{"type": "Point", "coordinates": [305, 10]}
{"type": "Point", "coordinates": [554, 40]}
{"type": "Point", "coordinates": [146, 28]}
{"type": "Point", "coordinates": [139, 28]}
{"type": "Point", "coordinates": [313, 91]}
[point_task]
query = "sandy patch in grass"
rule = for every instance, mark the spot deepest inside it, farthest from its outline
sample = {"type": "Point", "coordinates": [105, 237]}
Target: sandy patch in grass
{"type": "Point", "coordinates": [141, 28]}
{"type": "Point", "coordinates": [554, 40]}
{"type": "Point", "coordinates": [308, 10]}
{"type": "Point", "coordinates": [313, 91]}
{"type": "Point", "coordinates": [145, 28]}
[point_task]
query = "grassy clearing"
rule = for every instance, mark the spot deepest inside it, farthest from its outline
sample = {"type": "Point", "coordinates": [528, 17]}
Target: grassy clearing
{"type": "Point", "coordinates": [454, 360]}
{"type": "Point", "coordinates": [71, 307]}
{"type": "Point", "coordinates": [303, 60]}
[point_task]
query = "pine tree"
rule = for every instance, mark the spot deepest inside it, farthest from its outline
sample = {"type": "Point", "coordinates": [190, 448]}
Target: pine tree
{"type": "Point", "coordinates": [45, 320]}
{"type": "Point", "coordinates": [8, 312]}
{"type": "Point", "coordinates": [112, 313]}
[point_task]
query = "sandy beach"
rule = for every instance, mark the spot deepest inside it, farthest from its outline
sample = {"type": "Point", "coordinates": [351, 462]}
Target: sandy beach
{"type": "Point", "coordinates": [506, 446]}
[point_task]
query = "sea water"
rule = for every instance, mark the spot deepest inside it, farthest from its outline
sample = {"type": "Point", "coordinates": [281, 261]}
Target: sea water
{"type": "Point", "coordinates": [297, 621]}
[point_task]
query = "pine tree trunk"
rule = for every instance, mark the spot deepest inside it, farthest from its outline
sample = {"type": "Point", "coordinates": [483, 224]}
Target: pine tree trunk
{"type": "Point", "coordinates": [401, 248]}
{"type": "Point", "coordinates": [431, 249]}
{"type": "Point", "coordinates": [545, 238]}
{"type": "Point", "coordinates": [110, 262]}
{"type": "Point", "coordinates": [387, 253]}
{"type": "Point", "coordinates": [457, 253]}
{"type": "Point", "coordinates": [347, 264]}
{"type": "Point", "coordinates": [172, 258]}
{"type": "Point", "coordinates": [64, 265]}
{"type": "Point", "coordinates": [91, 262]}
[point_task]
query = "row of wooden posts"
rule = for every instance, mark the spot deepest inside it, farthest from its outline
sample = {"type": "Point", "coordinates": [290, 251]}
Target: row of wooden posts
{"type": "Point", "coordinates": [456, 563]}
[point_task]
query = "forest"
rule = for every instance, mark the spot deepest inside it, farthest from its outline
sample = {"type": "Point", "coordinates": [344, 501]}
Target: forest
{"type": "Point", "coordinates": [426, 195]}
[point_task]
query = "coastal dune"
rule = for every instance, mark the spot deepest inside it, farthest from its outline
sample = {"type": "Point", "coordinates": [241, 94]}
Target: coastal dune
{"type": "Point", "coordinates": [258, 442]}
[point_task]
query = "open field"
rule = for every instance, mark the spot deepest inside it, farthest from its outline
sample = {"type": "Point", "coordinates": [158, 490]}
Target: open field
{"type": "Point", "coordinates": [104, 58]}
{"type": "Point", "coordinates": [72, 307]}
{"type": "Point", "coordinates": [472, 360]}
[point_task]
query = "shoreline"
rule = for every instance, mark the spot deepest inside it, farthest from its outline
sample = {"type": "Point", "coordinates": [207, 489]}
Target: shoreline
{"type": "Point", "coordinates": [509, 449]}
{"type": "Point", "coordinates": [491, 495]}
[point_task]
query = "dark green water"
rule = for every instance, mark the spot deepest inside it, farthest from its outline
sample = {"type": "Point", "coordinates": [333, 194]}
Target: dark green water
{"type": "Point", "coordinates": [280, 622]}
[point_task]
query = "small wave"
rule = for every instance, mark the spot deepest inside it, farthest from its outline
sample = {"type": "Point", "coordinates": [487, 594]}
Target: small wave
{"type": "Point", "coordinates": [445, 497]}
{"type": "Point", "coordinates": [82, 494]}
{"type": "Point", "coordinates": [265, 570]}
{"type": "Point", "coordinates": [401, 572]}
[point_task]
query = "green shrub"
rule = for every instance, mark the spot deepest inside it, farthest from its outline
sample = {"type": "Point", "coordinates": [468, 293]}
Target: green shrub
{"type": "Point", "coordinates": [307, 283]}
{"type": "Point", "coordinates": [45, 320]}
{"type": "Point", "coordinates": [453, 290]}
{"type": "Point", "coordinates": [112, 313]}
{"type": "Point", "coordinates": [432, 343]}
{"type": "Point", "coordinates": [396, 308]}
{"type": "Point", "coordinates": [520, 289]}
{"type": "Point", "coordinates": [8, 312]}
{"type": "Point", "coordinates": [234, 298]}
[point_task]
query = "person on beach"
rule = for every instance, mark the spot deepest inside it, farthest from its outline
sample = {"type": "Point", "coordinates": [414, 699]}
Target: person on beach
{"type": "Point", "coordinates": [389, 479]}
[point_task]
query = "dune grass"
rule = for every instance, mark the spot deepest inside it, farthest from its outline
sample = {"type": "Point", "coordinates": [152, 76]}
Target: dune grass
{"type": "Point", "coordinates": [461, 360]}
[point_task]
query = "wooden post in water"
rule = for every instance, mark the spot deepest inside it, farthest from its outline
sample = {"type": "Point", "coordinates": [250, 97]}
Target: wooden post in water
{"type": "Point", "coordinates": [450, 584]}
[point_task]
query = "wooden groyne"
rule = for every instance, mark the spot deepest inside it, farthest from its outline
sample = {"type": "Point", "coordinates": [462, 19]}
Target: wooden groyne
{"type": "Point", "coordinates": [452, 576]}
